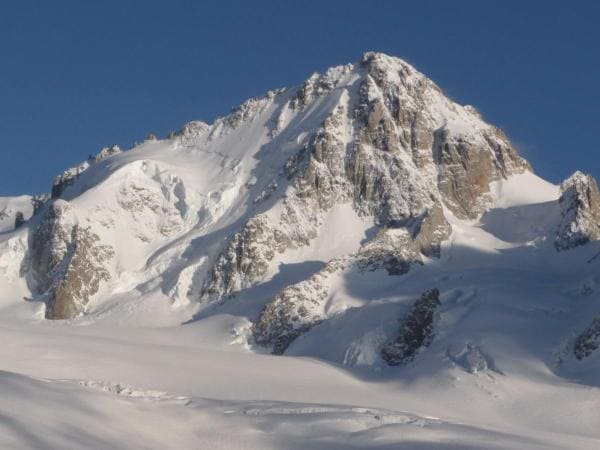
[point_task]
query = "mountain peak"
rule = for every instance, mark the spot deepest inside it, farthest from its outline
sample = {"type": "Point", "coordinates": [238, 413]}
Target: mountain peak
{"type": "Point", "coordinates": [383, 60]}
{"type": "Point", "coordinates": [377, 142]}
{"type": "Point", "coordinates": [361, 219]}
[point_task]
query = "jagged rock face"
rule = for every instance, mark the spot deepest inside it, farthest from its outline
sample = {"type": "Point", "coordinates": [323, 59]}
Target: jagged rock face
{"type": "Point", "coordinates": [465, 162]}
{"type": "Point", "coordinates": [190, 133]}
{"type": "Point", "coordinates": [68, 262]}
{"type": "Point", "coordinates": [465, 174]}
{"type": "Point", "coordinates": [467, 166]}
{"type": "Point", "coordinates": [322, 179]}
{"type": "Point", "coordinates": [248, 110]}
{"type": "Point", "coordinates": [383, 177]}
{"type": "Point", "coordinates": [51, 242]}
{"type": "Point", "coordinates": [85, 271]}
{"type": "Point", "coordinates": [396, 148]}
{"type": "Point", "coordinates": [246, 257]}
{"type": "Point", "coordinates": [429, 231]}
{"type": "Point", "coordinates": [154, 210]}
{"type": "Point", "coordinates": [392, 250]}
{"type": "Point", "coordinates": [416, 330]}
{"type": "Point", "coordinates": [588, 341]}
{"type": "Point", "coordinates": [580, 212]}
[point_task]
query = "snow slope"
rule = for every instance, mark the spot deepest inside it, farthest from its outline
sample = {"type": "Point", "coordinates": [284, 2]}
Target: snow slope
{"type": "Point", "coordinates": [133, 418]}
{"type": "Point", "coordinates": [320, 214]}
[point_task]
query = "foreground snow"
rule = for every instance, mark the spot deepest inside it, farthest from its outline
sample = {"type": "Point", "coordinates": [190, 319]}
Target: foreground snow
{"type": "Point", "coordinates": [105, 382]}
{"type": "Point", "coordinates": [173, 389]}
{"type": "Point", "coordinates": [85, 414]}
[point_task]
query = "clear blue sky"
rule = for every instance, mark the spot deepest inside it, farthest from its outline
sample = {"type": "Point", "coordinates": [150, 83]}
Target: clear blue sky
{"type": "Point", "coordinates": [79, 75]}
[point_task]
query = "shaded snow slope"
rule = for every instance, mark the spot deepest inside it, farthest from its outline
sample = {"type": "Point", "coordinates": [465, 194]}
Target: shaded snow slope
{"type": "Point", "coordinates": [124, 392]}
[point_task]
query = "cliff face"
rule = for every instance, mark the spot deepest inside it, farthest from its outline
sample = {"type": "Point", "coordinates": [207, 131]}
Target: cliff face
{"type": "Point", "coordinates": [68, 262]}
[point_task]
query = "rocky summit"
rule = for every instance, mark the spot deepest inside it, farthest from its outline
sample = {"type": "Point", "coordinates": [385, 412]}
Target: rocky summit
{"type": "Point", "coordinates": [362, 219]}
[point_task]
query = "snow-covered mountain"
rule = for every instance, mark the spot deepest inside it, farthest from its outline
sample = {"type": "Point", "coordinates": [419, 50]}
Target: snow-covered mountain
{"type": "Point", "coordinates": [387, 237]}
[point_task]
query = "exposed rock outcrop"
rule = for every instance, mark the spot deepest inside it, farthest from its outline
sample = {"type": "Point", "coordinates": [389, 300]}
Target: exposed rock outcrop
{"type": "Point", "coordinates": [391, 249]}
{"type": "Point", "coordinates": [588, 341]}
{"type": "Point", "coordinates": [68, 261]}
{"type": "Point", "coordinates": [246, 257]}
{"type": "Point", "coordinates": [580, 212]}
{"type": "Point", "coordinates": [295, 310]}
{"type": "Point", "coordinates": [464, 152]}
{"type": "Point", "coordinates": [416, 330]}
{"type": "Point", "coordinates": [51, 241]}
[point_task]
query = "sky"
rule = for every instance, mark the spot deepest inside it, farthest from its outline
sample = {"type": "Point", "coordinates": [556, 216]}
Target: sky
{"type": "Point", "coordinates": [76, 76]}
